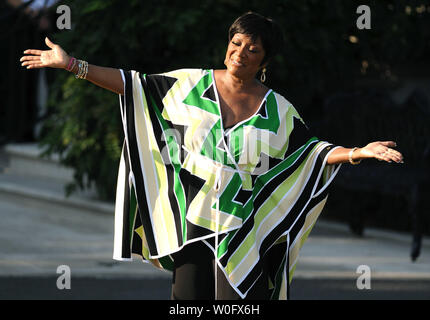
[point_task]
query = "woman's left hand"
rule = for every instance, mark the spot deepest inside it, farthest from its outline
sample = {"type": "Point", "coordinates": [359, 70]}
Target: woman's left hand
{"type": "Point", "coordinates": [381, 150]}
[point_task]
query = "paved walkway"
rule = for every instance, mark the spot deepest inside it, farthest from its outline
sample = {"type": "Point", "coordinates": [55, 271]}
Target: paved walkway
{"type": "Point", "coordinates": [36, 237]}
{"type": "Point", "coordinates": [333, 252]}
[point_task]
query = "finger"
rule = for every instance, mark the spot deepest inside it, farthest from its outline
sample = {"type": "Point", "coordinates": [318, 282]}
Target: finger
{"type": "Point", "coordinates": [49, 43]}
{"type": "Point", "coordinates": [29, 58]}
{"type": "Point", "coordinates": [396, 155]}
{"type": "Point", "coordinates": [35, 66]}
{"type": "Point", "coordinates": [33, 51]}
{"type": "Point", "coordinates": [382, 157]}
{"type": "Point", "coordinates": [396, 159]}
{"type": "Point", "coordinates": [389, 143]}
{"type": "Point", "coordinates": [390, 156]}
{"type": "Point", "coordinates": [31, 63]}
{"type": "Point", "coordinates": [395, 152]}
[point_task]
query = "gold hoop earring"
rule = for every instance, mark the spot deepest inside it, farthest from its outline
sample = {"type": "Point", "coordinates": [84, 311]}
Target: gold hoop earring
{"type": "Point", "coordinates": [263, 75]}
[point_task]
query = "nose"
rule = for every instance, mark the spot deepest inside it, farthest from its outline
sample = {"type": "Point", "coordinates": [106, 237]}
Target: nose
{"type": "Point", "coordinates": [242, 51]}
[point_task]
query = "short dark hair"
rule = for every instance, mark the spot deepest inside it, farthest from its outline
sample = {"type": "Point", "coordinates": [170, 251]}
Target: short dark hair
{"type": "Point", "coordinates": [255, 25]}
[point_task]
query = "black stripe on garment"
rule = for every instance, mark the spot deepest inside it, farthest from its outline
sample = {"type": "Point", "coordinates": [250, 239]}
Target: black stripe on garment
{"type": "Point", "coordinates": [277, 232]}
{"type": "Point", "coordinates": [294, 213]}
{"type": "Point", "coordinates": [264, 194]}
{"type": "Point", "coordinates": [192, 184]}
{"type": "Point", "coordinates": [273, 184]}
{"type": "Point", "coordinates": [300, 133]}
{"type": "Point", "coordinates": [137, 240]}
{"type": "Point", "coordinates": [247, 283]}
{"type": "Point", "coordinates": [275, 257]}
{"type": "Point", "coordinates": [126, 240]}
{"type": "Point", "coordinates": [149, 88]}
{"type": "Point", "coordinates": [135, 165]}
{"type": "Point", "coordinates": [159, 86]}
{"type": "Point", "coordinates": [298, 226]}
{"type": "Point", "coordinates": [290, 220]}
{"type": "Point", "coordinates": [301, 221]}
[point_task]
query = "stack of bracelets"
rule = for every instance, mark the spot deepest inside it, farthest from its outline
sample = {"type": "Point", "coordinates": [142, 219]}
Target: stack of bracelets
{"type": "Point", "coordinates": [82, 68]}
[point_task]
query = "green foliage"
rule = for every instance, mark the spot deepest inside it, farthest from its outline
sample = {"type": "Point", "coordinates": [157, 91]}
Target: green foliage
{"type": "Point", "coordinates": [155, 36]}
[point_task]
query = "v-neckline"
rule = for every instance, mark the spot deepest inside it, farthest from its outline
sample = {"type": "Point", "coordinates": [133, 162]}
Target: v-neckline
{"type": "Point", "coordinates": [233, 127]}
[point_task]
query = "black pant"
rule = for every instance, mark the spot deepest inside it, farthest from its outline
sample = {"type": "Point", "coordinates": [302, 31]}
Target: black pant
{"type": "Point", "coordinates": [194, 277]}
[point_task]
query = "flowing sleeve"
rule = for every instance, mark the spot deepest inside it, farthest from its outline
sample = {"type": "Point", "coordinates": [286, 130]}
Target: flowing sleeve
{"type": "Point", "coordinates": [164, 196]}
{"type": "Point", "coordinates": [310, 175]}
{"type": "Point", "coordinates": [149, 207]}
{"type": "Point", "coordinates": [284, 202]}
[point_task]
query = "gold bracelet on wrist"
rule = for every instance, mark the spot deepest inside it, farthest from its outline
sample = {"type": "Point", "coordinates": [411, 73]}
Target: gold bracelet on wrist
{"type": "Point", "coordinates": [82, 70]}
{"type": "Point", "coordinates": [78, 74]}
{"type": "Point", "coordinates": [350, 157]}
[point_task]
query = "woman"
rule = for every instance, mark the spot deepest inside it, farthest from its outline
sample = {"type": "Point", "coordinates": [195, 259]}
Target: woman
{"type": "Point", "coordinates": [219, 179]}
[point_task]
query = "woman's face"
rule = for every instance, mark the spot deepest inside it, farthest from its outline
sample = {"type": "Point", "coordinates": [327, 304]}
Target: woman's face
{"type": "Point", "coordinates": [243, 58]}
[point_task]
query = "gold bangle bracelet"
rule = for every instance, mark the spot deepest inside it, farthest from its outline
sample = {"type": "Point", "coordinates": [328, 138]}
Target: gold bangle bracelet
{"type": "Point", "coordinates": [78, 74]}
{"type": "Point", "coordinates": [350, 157]}
{"type": "Point", "coordinates": [84, 76]}
{"type": "Point", "coordinates": [82, 70]}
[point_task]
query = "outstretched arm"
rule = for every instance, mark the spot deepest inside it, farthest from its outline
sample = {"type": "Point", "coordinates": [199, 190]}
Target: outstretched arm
{"type": "Point", "coordinates": [378, 150]}
{"type": "Point", "coordinates": [56, 57]}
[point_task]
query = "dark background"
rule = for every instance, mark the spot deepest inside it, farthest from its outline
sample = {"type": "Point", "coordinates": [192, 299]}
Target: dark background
{"type": "Point", "coordinates": [351, 86]}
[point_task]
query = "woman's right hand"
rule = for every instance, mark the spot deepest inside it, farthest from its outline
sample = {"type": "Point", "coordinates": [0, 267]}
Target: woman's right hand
{"type": "Point", "coordinates": [56, 57]}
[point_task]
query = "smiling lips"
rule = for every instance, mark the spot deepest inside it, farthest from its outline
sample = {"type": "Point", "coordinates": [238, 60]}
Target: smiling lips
{"type": "Point", "coordinates": [237, 63]}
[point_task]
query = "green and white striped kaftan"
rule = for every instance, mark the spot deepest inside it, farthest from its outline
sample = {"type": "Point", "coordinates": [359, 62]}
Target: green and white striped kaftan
{"type": "Point", "coordinates": [255, 190]}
